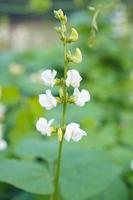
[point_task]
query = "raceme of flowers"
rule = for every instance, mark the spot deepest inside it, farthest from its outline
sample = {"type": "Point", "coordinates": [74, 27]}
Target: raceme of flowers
{"type": "Point", "coordinates": [72, 79]}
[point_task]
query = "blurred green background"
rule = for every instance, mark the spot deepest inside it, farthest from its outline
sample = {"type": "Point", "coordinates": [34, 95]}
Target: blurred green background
{"type": "Point", "coordinates": [29, 45]}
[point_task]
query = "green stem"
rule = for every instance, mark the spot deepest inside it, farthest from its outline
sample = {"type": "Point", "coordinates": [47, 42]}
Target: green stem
{"type": "Point", "coordinates": [57, 176]}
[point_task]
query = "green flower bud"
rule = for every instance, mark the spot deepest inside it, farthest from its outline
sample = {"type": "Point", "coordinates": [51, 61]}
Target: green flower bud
{"type": "Point", "coordinates": [76, 58]}
{"type": "Point", "coordinates": [59, 100]}
{"type": "Point", "coordinates": [58, 29]}
{"type": "Point", "coordinates": [71, 100]}
{"type": "Point", "coordinates": [59, 134]}
{"type": "Point", "coordinates": [61, 93]}
{"type": "Point", "coordinates": [73, 36]}
{"type": "Point", "coordinates": [60, 15]}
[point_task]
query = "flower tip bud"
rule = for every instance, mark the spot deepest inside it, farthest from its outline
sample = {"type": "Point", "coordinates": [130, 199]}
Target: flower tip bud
{"type": "Point", "coordinates": [58, 13]}
{"type": "Point", "coordinates": [60, 16]}
{"type": "Point", "coordinates": [74, 35]}
{"type": "Point", "coordinates": [78, 56]}
{"type": "Point", "coordinates": [60, 134]}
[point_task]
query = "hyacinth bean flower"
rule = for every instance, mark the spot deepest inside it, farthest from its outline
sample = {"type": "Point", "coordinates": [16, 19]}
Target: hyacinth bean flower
{"type": "Point", "coordinates": [44, 126]}
{"type": "Point", "coordinates": [73, 78]}
{"type": "Point", "coordinates": [74, 132]}
{"type": "Point", "coordinates": [48, 77]}
{"type": "Point", "coordinates": [47, 100]}
{"type": "Point", "coordinates": [81, 97]}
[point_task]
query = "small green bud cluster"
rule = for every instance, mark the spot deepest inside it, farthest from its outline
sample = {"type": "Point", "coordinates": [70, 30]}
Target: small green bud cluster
{"type": "Point", "coordinates": [62, 29]}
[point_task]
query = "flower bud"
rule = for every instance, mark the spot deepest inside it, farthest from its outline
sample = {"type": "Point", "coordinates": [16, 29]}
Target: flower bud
{"type": "Point", "coordinates": [61, 93]}
{"type": "Point", "coordinates": [60, 15]}
{"type": "Point", "coordinates": [74, 36]}
{"type": "Point", "coordinates": [59, 100]}
{"type": "Point", "coordinates": [58, 29]}
{"type": "Point", "coordinates": [76, 58]}
{"type": "Point", "coordinates": [60, 134]}
{"type": "Point", "coordinates": [71, 100]}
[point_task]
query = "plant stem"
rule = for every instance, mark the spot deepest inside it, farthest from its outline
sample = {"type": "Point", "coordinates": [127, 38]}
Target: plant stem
{"type": "Point", "coordinates": [57, 176]}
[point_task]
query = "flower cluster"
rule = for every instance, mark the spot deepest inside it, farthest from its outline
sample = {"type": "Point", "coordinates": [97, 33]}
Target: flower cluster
{"type": "Point", "coordinates": [72, 78]}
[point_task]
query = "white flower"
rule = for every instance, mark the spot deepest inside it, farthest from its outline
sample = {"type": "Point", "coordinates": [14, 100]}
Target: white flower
{"type": "Point", "coordinates": [81, 97]}
{"type": "Point", "coordinates": [48, 76]}
{"type": "Point", "coordinates": [3, 145]}
{"type": "Point", "coordinates": [73, 78]}
{"type": "Point", "coordinates": [131, 165]}
{"type": "Point", "coordinates": [47, 100]}
{"type": "Point", "coordinates": [44, 126]}
{"type": "Point", "coordinates": [74, 132]}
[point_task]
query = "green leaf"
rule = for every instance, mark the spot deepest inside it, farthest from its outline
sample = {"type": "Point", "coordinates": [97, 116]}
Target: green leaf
{"type": "Point", "coordinates": [10, 95]}
{"type": "Point", "coordinates": [23, 196]}
{"type": "Point", "coordinates": [86, 173]}
{"type": "Point", "coordinates": [115, 191]}
{"type": "Point", "coordinates": [28, 176]}
{"type": "Point", "coordinates": [34, 148]}
{"type": "Point", "coordinates": [122, 155]}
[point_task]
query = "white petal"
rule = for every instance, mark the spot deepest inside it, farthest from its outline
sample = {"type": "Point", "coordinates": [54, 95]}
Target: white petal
{"type": "Point", "coordinates": [81, 97]}
{"type": "Point", "coordinates": [78, 134]}
{"type": "Point", "coordinates": [68, 80]}
{"type": "Point", "coordinates": [41, 125]}
{"type": "Point", "coordinates": [74, 132]}
{"type": "Point", "coordinates": [85, 95]}
{"type": "Point", "coordinates": [3, 145]}
{"type": "Point", "coordinates": [76, 92]}
{"type": "Point", "coordinates": [52, 99]}
{"type": "Point", "coordinates": [48, 76]}
{"type": "Point", "coordinates": [73, 78]}
{"type": "Point", "coordinates": [54, 73]}
{"type": "Point", "coordinates": [69, 131]}
{"type": "Point", "coordinates": [67, 134]}
{"type": "Point", "coordinates": [51, 122]}
{"type": "Point", "coordinates": [47, 100]}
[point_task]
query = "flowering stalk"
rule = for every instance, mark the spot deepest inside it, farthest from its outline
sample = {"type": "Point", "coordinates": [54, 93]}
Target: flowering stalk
{"type": "Point", "coordinates": [56, 184]}
{"type": "Point", "coordinates": [48, 101]}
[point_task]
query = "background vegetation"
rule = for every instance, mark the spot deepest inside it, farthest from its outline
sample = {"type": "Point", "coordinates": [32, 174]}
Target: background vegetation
{"type": "Point", "coordinates": [98, 167]}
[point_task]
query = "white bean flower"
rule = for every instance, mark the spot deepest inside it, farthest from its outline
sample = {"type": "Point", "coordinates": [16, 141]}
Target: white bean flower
{"type": "Point", "coordinates": [3, 145]}
{"type": "Point", "coordinates": [81, 97]}
{"type": "Point", "coordinates": [48, 77]}
{"type": "Point", "coordinates": [47, 100]}
{"type": "Point", "coordinates": [74, 132]}
{"type": "Point", "coordinates": [73, 78]}
{"type": "Point", "coordinates": [44, 126]}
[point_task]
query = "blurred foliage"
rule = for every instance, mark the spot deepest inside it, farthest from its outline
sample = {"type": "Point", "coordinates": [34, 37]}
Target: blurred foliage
{"type": "Point", "coordinates": [39, 6]}
{"type": "Point", "coordinates": [91, 169]}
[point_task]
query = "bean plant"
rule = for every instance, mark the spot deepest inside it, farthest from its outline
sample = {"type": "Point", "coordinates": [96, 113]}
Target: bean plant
{"type": "Point", "coordinates": [72, 79]}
